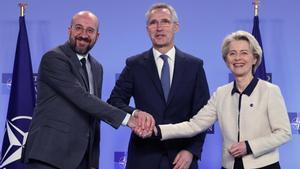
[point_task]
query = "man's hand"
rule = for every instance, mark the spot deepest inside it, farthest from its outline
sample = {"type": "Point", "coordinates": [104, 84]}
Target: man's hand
{"type": "Point", "coordinates": [145, 120]}
{"type": "Point", "coordinates": [132, 122]}
{"type": "Point", "coordinates": [238, 149]}
{"type": "Point", "coordinates": [183, 160]}
{"type": "Point", "coordinates": [141, 123]}
{"type": "Point", "coordinates": [145, 123]}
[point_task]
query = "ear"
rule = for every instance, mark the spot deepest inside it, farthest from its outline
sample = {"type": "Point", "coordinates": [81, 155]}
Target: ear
{"type": "Point", "coordinates": [147, 28]}
{"type": "Point", "coordinates": [255, 60]}
{"type": "Point", "coordinates": [227, 64]}
{"type": "Point", "coordinates": [176, 27]}
{"type": "Point", "coordinates": [98, 35]}
{"type": "Point", "coordinates": [69, 30]}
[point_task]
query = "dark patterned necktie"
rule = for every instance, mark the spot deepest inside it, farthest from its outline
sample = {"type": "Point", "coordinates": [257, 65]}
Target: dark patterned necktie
{"type": "Point", "coordinates": [83, 65]}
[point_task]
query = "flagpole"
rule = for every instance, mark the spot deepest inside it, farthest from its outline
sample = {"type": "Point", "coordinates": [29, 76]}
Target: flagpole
{"type": "Point", "coordinates": [22, 6]}
{"type": "Point", "coordinates": [261, 70]}
{"type": "Point", "coordinates": [256, 5]}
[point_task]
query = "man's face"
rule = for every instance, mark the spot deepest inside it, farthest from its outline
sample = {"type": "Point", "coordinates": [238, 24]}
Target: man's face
{"type": "Point", "coordinates": [161, 28]}
{"type": "Point", "coordinates": [83, 33]}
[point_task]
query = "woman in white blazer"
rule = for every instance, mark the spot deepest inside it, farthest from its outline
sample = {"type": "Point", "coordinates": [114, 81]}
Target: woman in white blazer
{"type": "Point", "coordinates": [251, 112]}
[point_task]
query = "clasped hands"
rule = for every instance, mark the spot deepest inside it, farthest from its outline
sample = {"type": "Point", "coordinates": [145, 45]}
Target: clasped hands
{"type": "Point", "coordinates": [142, 123]}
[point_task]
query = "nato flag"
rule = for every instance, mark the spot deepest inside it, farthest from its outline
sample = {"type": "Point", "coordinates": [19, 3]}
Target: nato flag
{"type": "Point", "coordinates": [21, 104]}
{"type": "Point", "coordinates": [261, 70]}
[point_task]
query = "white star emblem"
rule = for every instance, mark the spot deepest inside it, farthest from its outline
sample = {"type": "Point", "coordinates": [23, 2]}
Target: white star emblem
{"type": "Point", "coordinates": [11, 128]}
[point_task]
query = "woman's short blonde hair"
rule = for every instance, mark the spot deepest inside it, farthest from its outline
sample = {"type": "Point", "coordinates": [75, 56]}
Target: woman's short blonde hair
{"type": "Point", "coordinates": [243, 35]}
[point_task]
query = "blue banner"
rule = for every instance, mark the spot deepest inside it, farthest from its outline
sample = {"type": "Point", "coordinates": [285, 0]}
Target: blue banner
{"type": "Point", "coordinates": [21, 103]}
{"type": "Point", "coordinates": [261, 70]}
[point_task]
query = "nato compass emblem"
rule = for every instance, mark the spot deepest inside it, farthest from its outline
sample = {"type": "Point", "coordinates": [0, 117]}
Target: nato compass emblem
{"type": "Point", "coordinates": [15, 139]}
{"type": "Point", "coordinates": [120, 160]}
{"type": "Point", "coordinates": [295, 123]}
{"type": "Point", "coordinates": [8, 83]}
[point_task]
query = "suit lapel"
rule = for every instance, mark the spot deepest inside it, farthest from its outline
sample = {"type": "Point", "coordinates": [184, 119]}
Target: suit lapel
{"type": "Point", "coordinates": [78, 71]}
{"type": "Point", "coordinates": [95, 74]}
{"type": "Point", "coordinates": [151, 68]}
{"type": "Point", "coordinates": [178, 74]}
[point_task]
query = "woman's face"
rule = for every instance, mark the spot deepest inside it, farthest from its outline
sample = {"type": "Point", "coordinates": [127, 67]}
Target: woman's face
{"type": "Point", "coordinates": [240, 58]}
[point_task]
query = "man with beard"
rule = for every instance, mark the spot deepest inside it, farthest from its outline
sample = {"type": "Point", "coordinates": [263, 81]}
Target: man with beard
{"type": "Point", "coordinates": [169, 84]}
{"type": "Point", "coordinates": [65, 131]}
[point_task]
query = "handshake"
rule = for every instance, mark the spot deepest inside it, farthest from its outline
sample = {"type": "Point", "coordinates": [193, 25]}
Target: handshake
{"type": "Point", "coordinates": [142, 124]}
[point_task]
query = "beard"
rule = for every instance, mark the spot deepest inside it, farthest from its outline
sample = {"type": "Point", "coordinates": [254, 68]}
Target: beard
{"type": "Point", "coordinates": [80, 50]}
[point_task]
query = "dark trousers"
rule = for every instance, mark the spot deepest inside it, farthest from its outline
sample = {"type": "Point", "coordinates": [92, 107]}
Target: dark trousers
{"type": "Point", "coordinates": [164, 162]}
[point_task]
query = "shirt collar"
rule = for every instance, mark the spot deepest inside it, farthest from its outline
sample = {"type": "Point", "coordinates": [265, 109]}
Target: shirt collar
{"type": "Point", "coordinates": [249, 89]}
{"type": "Point", "coordinates": [82, 56]}
{"type": "Point", "coordinates": [170, 53]}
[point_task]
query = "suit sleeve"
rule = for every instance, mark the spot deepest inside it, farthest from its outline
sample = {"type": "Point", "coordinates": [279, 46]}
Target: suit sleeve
{"type": "Point", "coordinates": [200, 98]}
{"type": "Point", "coordinates": [123, 90]}
{"type": "Point", "coordinates": [204, 118]}
{"type": "Point", "coordinates": [56, 71]}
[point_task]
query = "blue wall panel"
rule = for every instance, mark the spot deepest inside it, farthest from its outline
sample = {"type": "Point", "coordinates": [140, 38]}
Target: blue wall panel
{"type": "Point", "coordinates": [203, 25]}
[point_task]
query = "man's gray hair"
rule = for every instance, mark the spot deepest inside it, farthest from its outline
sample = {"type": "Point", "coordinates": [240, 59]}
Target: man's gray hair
{"type": "Point", "coordinates": [164, 6]}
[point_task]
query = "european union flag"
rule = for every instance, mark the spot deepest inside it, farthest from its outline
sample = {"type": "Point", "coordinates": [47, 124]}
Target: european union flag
{"type": "Point", "coordinates": [21, 104]}
{"type": "Point", "coordinates": [261, 70]}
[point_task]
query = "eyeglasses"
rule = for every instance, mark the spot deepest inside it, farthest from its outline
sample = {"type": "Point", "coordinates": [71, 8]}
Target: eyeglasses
{"type": "Point", "coordinates": [80, 29]}
{"type": "Point", "coordinates": [162, 23]}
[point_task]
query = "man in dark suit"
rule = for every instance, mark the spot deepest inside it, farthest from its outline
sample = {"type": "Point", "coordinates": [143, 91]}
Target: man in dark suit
{"type": "Point", "coordinates": [169, 84]}
{"type": "Point", "coordinates": [65, 131]}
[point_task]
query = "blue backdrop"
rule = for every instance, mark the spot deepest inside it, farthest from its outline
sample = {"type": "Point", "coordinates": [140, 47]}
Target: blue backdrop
{"type": "Point", "coordinates": [203, 25]}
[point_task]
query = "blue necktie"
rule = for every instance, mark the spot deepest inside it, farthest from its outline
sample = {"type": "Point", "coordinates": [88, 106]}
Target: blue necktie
{"type": "Point", "coordinates": [165, 76]}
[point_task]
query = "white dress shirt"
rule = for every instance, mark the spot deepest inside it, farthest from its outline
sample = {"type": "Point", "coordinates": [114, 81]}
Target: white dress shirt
{"type": "Point", "coordinates": [89, 71]}
{"type": "Point", "coordinates": [159, 61]}
{"type": "Point", "coordinates": [159, 64]}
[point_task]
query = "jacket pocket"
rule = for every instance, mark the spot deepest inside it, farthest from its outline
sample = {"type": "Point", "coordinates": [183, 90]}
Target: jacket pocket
{"type": "Point", "coordinates": [59, 125]}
